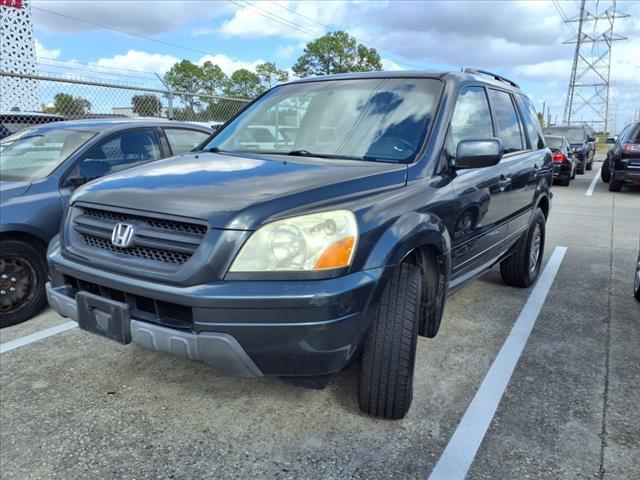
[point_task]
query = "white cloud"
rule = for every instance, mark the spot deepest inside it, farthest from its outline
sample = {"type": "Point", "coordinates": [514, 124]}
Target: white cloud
{"type": "Point", "coordinates": [42, 52]}
{"type": "Point", "coordinates": [390, 65]}
{"type": "Point", "coordinates": [160, 64]}
{"type": "Point", "coordinates": [270, 19]}
{"type": "Point", "coordinates": [229, 65]}
{"type": "Point", "coordinates": [142, 61]}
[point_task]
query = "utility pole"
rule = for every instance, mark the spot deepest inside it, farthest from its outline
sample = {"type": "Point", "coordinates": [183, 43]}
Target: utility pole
{"type": "Point", "coordinates": [588, 90]}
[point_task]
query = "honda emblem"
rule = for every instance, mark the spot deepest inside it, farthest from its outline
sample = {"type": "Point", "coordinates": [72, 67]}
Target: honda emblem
{"type": "Point", "coordinates": [122, 235]}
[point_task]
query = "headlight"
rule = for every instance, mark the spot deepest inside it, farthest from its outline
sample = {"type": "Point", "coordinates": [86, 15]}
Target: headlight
{"type": "Point", "coordinates": [320, 241]}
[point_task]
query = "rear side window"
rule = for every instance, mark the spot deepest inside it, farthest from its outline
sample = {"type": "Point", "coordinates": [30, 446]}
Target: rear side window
{"type": "Point", "coordinates": [471, 118]}
{"type": "Point", "coordinates": [507, 124]}
{"type": "Point", "coordinates": [182, 140]}
{"type": "Point", "coordinates": [532, 124]}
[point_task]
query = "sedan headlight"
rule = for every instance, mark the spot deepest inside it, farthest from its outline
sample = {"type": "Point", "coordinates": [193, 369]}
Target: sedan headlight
{"type": "Point", "coordinates": [319, 241]}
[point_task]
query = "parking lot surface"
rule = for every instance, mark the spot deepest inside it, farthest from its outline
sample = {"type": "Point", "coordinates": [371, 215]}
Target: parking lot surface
{"type": "Point", "coordinates": [74, 405]}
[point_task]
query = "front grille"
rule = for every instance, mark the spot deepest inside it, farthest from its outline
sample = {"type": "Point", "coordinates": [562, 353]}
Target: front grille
{"type": "Point", "coordinates": [161, 223]}
{"type": "Point", "coordinates": [140, 252]}
{"type": "Point", "coordinates": [159, 241]}
{"type": "Point", "coordinates": [144, 308]}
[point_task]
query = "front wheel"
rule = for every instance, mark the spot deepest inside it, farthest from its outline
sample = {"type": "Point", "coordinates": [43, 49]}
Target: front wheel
{"type": "Point", "coordinates": [522, 267]}
{"type": "Point", "coordinates": [389, 350]}
{"type": "Point", "coordinates": [22, 278]}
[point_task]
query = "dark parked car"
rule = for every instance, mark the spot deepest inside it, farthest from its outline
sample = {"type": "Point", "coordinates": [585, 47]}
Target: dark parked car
{"type": "Point", "coordinates": [40, 167]}
{"type": "Point", "coordinates": [12, 122]}
{"type": "Point", "coordinates": [296, 262]}
{"type": "Point", "coordinates": [564, 162]}
{"type": "Point", "coordinates": [581, 144]}
{"type": "Point", "coordinates": [622, 164]}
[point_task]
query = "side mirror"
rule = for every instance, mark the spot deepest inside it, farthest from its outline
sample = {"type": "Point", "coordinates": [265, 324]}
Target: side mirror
{"type": "Point", "coordinates": [76, 181]}
{"type": "Point", "coordinates": [478, 153]}
{"type": "Point", "coordinates": [591, 139]}
{"type": "Point", "coordinates": [611, 140]}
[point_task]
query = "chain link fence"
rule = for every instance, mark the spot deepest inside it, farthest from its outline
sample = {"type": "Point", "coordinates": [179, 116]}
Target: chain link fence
{"type": "Point", "coordinates": [27, 100]}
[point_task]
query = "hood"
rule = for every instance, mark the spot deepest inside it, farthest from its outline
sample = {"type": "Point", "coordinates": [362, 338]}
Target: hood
{"type": "Point", "coordinates": [239, 191]}
{"type": "Point", "coordinates": [9, 190]}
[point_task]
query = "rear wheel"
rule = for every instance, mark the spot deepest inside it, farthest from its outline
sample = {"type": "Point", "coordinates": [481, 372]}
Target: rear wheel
{"type": "Point", "coordinates": [389, 350]}
{"type": "Point", "coordinates": [605, 172]}
{"type": "Point", "coordinates": [522, 267]}
{"type": "Point", "coordinates": [564, 181]}
{"type": "Point", "coordinates": [615, 185]}
{"type": "Point", "coordinates": [580, 169]}
{"type": "Point", "coordinates": [590, 165]}
{"type": "Point", "coordinates": [22, 280]}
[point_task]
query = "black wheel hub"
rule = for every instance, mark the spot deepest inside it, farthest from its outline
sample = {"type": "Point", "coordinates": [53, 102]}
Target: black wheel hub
{"type": "Point", "coordinates": [18, 280]}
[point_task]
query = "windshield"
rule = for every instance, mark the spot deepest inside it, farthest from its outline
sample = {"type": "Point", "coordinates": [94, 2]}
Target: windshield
{"type": "Point", "coordinates": [573, 134]}
{"type": "Point", "coordinates": [365, 119]}
{"type": "Point", "coordinates": [34, 153]}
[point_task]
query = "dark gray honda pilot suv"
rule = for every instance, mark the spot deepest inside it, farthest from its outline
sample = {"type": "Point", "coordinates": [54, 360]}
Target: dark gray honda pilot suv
{"type": "Point", "coordinates": [295, 254]}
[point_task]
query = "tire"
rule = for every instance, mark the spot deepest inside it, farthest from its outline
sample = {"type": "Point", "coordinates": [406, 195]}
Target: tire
{"type": "Point", "coordinates": [590, 165]}
{"type": "Point", "coordinates": [580, 169]}
{"type": "Point", "coordinates": [517, 269]}
{"type": "Point", "coordinates": [605, 173]}
{"type": "Point", "coordinates": [615, 185]}
{"type": "Point", "coordinates": [389, 349]}
{"type": "Point", "coordinates": [636, 287]}
{"type": "Point", "coordinates": [24, 294]}
{"type": "Point", "coordinates": [563, 182]}
{"type": "Point", "coordinates": [573, 173]}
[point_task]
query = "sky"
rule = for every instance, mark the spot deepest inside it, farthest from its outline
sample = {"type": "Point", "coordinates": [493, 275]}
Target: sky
{"type": "Point", "coordinates": [522, 40]}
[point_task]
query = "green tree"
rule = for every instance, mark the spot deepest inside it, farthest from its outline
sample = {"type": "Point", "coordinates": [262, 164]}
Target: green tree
{"type": "Point", "coordinates": [186, 76]}
{"type": "Point", "coordinates": [70, 106]}
{"type": "Point", "coordinates": [271, 75]}
{"type": "Point", "coordinates": [243, 83]}
{"type": "Point", "coordinates": [214, 79]}
{"type": "Point", "coordinates": [146, 105]}
{"type": "Point", "coordinates": [336, 52]}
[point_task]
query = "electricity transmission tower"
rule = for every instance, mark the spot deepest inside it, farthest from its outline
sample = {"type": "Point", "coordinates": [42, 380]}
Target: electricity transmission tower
{"type": "Point", "coordinates": [588, 94]}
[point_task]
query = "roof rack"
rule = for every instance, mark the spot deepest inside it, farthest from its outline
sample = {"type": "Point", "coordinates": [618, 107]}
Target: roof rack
{"type": "Point", "coordinates": [491, 74]}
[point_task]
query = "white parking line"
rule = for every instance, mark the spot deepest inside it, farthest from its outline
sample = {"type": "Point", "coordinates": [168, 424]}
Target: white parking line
{"type": "Point", "coordinates": [589, 191]}
{"type": "Point", "coordinates": [463, 445]}
{"type": "Point", "coordinates": [34, 337]}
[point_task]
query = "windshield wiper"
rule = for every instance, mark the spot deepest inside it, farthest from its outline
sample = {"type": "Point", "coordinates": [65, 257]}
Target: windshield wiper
{"type": "Point", "coordinates": [307, 153]}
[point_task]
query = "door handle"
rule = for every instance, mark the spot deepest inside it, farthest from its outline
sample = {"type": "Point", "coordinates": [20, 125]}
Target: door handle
{"type": "Point", "coordinates": [504, 182]}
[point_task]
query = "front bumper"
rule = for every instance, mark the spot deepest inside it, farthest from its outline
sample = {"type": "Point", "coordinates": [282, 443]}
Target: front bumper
{"type": "Point", "coordinates": [284, 328]}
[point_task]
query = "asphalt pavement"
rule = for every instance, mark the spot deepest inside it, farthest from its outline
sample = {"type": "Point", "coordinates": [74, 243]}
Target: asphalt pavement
{"type": "Point", "coordinates": [73, 405]}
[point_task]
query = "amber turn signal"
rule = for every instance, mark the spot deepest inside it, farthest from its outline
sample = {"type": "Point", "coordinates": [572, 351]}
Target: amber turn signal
{"type": "Point", "coordinates": [337, 255]}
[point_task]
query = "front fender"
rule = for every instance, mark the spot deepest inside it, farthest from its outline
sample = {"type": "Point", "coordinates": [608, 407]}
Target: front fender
{"type": "Point", "coordinates": [410, 231]}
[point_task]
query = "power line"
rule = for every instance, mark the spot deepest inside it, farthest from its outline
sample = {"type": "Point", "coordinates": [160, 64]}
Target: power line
{"type": "Point", "coordinates": [69, 63]}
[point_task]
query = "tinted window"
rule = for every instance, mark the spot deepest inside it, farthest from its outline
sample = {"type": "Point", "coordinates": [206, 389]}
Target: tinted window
{"type": "Point", "coordinates": [368, 119]}
{"type": "Point", "coordinates": [471, 118]}
{"type": "Point", "coordinates": [532, 124]}
{"type": "Point", "coordinates": [507, 124]}
{"type": "Point", "coordinates": [182, 140]}
{"type": "Point", "coordinates": [117, 153]}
